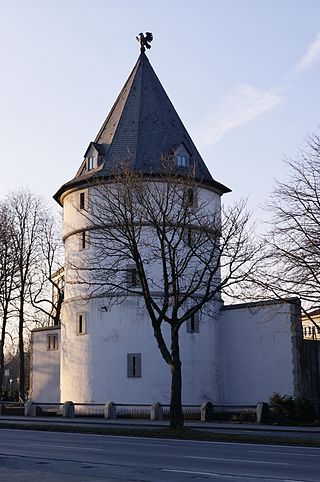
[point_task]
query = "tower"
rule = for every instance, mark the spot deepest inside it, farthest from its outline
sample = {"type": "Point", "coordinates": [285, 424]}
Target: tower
{"type": "Point", "coordinates": [111, 353]}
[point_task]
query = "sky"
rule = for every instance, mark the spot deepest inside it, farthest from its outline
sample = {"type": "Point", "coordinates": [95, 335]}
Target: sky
{"type": "Point", "coordinates": [244, 76]}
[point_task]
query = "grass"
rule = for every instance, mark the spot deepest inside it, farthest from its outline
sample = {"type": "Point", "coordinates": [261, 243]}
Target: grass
{"type": "Point", "coordinates": [182, 434]}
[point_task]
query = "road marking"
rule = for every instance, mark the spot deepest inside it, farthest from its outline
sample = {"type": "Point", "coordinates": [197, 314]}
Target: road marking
{"type": "Point", "coordinates": [68, 447]}
{"type": "Point", "coordinates": [235, 460]}
{"type": "Point", "coordinates": [281, 453]}
{"type": "Point", "coordinates": [192, 472]}
{"type": "Point", "coordinates": [139, 443]}
{"type": "Point", "coordinates": [225, 476]}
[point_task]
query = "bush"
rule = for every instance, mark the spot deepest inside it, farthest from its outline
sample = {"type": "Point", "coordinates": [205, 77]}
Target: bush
{"type": "Point", "coordinates": [284, 408]}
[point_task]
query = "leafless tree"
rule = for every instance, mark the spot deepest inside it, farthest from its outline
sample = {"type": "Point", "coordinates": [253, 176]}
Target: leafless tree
{"type": "Point", "coordinates": [159, 240]}
{"type": "Point", "coordinates": [47, 290]}
{"type": "Point", "coordinates": [8, 278]}
{"type": "Point", "coordinates": [28, 214]}
{"type": "Point", "coordinates": [290, 263]}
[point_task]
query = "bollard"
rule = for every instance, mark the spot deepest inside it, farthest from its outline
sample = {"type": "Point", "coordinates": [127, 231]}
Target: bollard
{"type": "Point", "coordinates": [262, 412]}
{"type": "Point", "coordinates": [110, 410]}
{"type": "Point", "coordinates": [68, 410]}
{"type": "Point", "coordinates": [156, 411]}
{"type": "Point", "coordinates": [206, 411]}
{"type": "Point", "coordinates": [30, 409]}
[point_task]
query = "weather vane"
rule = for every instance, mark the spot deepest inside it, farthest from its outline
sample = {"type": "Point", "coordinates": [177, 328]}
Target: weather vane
{"type": "Point", "coordinates": [144, 41]}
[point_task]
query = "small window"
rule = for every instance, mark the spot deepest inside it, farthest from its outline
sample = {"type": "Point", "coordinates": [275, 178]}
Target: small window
{"type": "Point", "coordinates": [190, 197]}
{"type": "Point", "coordinates": [132, 276]}
{"type": "Point", "coordinates": [182, 160]}
{"type": "Point", "coordinates": [81, 324]}
{"type": "Point", "coordinates": [52, 342]}
{"type": "Point", "coordinates": [83, 240]}
{"type": "Point", "coordinates": [188, 236]}
{"type": "Point", "coordinates": [193, 323]}
{"type": "Point", "coordinates": [134, 365]}
{"type": "Point", "coordinates": [91, 163]}
{"type": "Point", "coordinates": [82, 200]}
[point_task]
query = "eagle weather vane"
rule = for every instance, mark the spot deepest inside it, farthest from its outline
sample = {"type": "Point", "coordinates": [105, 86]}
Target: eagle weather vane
{"type": "Point", "coordinates": [144, 41]}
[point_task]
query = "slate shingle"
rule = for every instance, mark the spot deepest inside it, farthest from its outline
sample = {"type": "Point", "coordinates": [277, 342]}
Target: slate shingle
{"type": "Point", "coordinates": [141, 128]}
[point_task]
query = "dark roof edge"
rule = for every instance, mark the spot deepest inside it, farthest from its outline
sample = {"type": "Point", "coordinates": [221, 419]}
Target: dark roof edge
{"type": "Point", "coordinates": [95, 179]}
{"type": "Point", "coordinates": [47, 328]}
{"type": "Point", "coordinates": [257, 304]}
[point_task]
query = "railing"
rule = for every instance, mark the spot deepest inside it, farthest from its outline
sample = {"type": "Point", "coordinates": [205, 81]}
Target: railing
{"type": "Point", "coordinates": [234, 413]}
{"type": "Point", "coordinates": [155, 411]}
{"type": "Point", "coordinates": [133, 411]}
{"type": "Point", "coordinates": [89, 409]}
{"type": "Point", "coordinates": [11, 408]}
{"type": "Point", "coordinates": [48, 409]}
{"type": "Point", "coordinates": [190, 412]}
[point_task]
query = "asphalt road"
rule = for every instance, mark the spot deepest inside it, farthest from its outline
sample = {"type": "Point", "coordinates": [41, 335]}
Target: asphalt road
{"type": "Point", "coordinates": [50, 456]}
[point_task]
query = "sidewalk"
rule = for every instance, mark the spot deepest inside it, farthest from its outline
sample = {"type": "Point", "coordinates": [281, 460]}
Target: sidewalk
{"type": "Point", "coordinates": [148, 424]}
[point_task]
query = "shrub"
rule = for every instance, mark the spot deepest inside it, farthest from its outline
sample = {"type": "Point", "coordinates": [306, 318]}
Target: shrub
{"type": "Point", "coordinates": [285, 408]}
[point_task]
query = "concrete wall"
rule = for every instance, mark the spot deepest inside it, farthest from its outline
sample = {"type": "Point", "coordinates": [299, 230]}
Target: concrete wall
{"type": "Point", "coordinates": [45, 366]}
{"type": "Point", "coordinates": [259, 352]}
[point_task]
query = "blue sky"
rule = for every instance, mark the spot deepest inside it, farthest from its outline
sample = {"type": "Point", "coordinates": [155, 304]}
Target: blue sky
{"type": "Point", "coordinates": [242, 74]}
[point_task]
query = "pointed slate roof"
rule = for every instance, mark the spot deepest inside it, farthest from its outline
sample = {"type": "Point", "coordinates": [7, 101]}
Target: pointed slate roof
{"type": "Point", "coordinates": [140, 129]}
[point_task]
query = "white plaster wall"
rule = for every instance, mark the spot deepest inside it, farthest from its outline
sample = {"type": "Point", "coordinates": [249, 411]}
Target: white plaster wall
{"type": "Point", "coordinates": [257, 353]}
{"type": "Point", "coordinates": [94, 365]}
{"type": "Point", "coordinates": [45, 368]}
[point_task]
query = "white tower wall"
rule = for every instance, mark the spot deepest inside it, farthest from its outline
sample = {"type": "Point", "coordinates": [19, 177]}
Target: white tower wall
{"type": "Point", "coordinates": [94, 364]}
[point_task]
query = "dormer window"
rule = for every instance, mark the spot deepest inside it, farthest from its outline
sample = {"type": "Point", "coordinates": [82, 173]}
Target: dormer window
{"type": "Point", "coordinates": [182, 160]}
{"type": "Point", "coordinates": [182, 157]}
{"type": "Point", "coordinates": [91, 162]}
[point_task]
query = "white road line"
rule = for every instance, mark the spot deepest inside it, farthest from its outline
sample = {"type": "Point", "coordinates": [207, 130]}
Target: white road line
{"type": "Point", "coordinates": [191, 472]}
{"type": "Point", "coordinates": [235, 460]}
{"type": "Point", "coordinates": [68, 447]}
{"type": "Point", "coordinates": [281, 453]}
{"type": "Point", "coordinates": [226, 476]}
{"type": "Point", "coordinates": [138, 443]}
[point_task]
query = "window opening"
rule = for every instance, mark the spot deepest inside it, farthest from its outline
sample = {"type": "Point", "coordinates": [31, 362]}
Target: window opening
{"type": "Point", "coordinates": [82, 200]}
{"type": "Point", "coordinates": [134, 365]}
{"type": "Point", "coordinates": [81, 328]}
{"type": "Point", "coordinates": [52, 342]}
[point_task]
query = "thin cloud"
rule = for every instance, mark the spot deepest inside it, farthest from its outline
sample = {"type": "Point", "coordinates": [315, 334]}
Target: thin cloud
{"type": "Point", "coordinates": [311, 55]}
{"type": "Point", "coordinates": [240, 106]}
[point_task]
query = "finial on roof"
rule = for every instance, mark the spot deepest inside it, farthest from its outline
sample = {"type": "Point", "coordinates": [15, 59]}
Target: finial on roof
{"type": "Point", "coordinates": [144, 41]}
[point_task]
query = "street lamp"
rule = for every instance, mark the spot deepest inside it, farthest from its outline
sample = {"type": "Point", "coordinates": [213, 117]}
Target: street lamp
{"type": "Point", "coordinates": [10, 381]}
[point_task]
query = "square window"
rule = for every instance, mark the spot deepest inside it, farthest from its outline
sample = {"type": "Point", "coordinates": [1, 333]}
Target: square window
{"type": "Point", "coordinates": [134, 365]}
{"type": "Point", "coordinates": [81, 324]}
{"type": "Point", "coordinates": [182, 160]}
{"type": "Point", "coordinates": [52, 342]}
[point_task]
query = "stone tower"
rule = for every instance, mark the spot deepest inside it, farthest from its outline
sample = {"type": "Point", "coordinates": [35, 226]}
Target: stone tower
{"type": "Point", "coordinates": [112, 354]}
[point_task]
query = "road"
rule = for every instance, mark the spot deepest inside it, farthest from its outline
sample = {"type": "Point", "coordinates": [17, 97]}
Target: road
{"type": "Point", "coordinates": [51, 456]}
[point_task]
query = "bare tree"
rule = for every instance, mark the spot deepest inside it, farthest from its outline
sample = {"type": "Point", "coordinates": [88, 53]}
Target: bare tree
{"type": "Point", "coordinates": [28, 214]}
{"type": "Point", "coordinates": [164, 241]}
{"type": "Point", "coordinates": [8, 274]}
{"type": "Point", "coordinates": [47, 290]}
{"type": "Point", "coordinates": [290, 263]}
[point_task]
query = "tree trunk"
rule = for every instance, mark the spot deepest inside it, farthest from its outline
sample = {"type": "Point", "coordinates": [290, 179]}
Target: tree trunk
{"type": "Point", "coordinates": [21, 355]}
{"type": "Point", "coordinates": [176, 415]}
{"type": "Point", "coordinates": [1, 364]}
{"type": "Point", "coordinates": [3, 335]}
